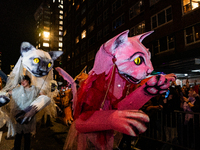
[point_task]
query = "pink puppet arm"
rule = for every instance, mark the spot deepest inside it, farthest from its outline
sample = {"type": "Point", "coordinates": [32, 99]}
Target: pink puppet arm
{"type": "Point", "coordinates": [125, 121]}
{"type": "Point", "coordinates": [156, 85]}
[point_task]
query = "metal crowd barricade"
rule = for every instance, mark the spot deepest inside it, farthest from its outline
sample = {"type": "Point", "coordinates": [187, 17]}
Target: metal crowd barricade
{"type": "Point", "coordinates": [172, 129]}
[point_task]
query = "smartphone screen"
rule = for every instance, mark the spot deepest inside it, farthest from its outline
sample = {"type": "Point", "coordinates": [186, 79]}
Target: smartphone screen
{"type": "Point", "coordinates": [167, 94]}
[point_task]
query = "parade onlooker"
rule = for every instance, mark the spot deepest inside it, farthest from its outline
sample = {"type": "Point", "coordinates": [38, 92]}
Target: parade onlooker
{"type": "Point", "coordinates": [191, 104]}
{"type": "Point", "coordinates": [196, 87]}
{"type": "Point", "coordinates": [151, 108]}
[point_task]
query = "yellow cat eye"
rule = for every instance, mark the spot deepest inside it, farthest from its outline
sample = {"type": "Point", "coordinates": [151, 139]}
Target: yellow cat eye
{"type": "Point", "coordinates": [137, 61]}
{"type": "Point", "coordinates": [49, 65]}
{"type": "Point", "coordinates": [36, 60]}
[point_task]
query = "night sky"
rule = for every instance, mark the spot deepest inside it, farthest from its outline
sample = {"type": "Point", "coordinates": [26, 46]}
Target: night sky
{"type": "Point", "coordinates": [17, 24]}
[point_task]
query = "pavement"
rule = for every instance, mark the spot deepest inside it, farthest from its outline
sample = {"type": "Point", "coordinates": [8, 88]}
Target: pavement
{"type": "Point", "coordinates": [48, 137]}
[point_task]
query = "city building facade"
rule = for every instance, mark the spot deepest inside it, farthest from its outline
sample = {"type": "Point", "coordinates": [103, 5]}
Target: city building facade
{"type": "Point", "coordinates": [174, 45]}
{"type": "Point", "coordinates": [49, 30]}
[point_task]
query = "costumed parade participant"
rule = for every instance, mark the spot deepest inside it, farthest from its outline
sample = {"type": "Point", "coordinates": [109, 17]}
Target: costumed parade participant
{"type": "Point", "coordinates": [65, 97]}
{"type": "Point", "coordinates": [102, 105]}
{"type": "Point", "coordinates": [19, 110]}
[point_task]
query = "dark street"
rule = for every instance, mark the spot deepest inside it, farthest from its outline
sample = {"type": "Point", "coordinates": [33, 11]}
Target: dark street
{"type": "Point", "coordinates": [46, 138]}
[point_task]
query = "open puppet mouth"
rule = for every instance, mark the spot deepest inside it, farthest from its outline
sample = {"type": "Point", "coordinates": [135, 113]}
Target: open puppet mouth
{"type": "Point", "coordinates": [130, 78]}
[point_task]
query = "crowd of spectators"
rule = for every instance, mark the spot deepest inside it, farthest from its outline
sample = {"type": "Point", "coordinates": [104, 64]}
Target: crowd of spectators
{"type": "Point", "coordinates": [177, 127]}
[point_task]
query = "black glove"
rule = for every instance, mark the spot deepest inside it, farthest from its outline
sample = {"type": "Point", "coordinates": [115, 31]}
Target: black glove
{"type": "Point", "coordinates": [4, 100]}
{"type": "Point", "coordinates": [26, 115]}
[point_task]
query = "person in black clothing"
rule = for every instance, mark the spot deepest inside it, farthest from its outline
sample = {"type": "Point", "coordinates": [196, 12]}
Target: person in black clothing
{"type": "Point", "coordinates": [171, 103]}
{"type": "Point", "coordinates": [191, 124]}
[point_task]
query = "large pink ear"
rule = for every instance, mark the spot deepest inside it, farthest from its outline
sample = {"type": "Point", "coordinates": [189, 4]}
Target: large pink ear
{"type": "Point", "coordinates": [142, 36]}
{"type": "Point", "coordinates": [115, 42]}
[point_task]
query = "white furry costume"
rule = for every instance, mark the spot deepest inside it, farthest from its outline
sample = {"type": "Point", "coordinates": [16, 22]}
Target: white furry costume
{"type": "Point", "coordinates": [42, 83]}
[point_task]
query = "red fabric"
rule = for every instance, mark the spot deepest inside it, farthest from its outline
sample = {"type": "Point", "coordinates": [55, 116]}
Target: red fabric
{"type": "Point", "coordinates": [196, 89]}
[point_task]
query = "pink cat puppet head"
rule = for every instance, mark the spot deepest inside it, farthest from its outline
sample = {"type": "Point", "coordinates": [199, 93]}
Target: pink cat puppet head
{"type": "Point", "coordinates": [131, 57]}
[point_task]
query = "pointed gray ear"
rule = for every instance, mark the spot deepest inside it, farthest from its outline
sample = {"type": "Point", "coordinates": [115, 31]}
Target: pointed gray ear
{"type": "Point", "coordinates": [111, 45]}
{"type": "Point", "coordinates": [55, 54]}
{"type": "Point", "coordinates": [25, 47]}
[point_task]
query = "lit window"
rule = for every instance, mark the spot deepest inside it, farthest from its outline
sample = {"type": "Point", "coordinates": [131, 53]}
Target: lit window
{"type": "Point", "coordinates": [91, 27]}
{"type": "Point", "coordinates": [192, 34]}
{"type": "Point", "coordinates": [60, 44]}
{"type": "Point", "coordinates": [60, 6]}
{"type": "Point", "coordinates": [46, 44]}
{"type": "Point", "coordinates": [60, 49]}
{"type": "Point", "coordinates": [83, 22]}
{"type": "Point", "coordinates": [61, 12]}
{"type": "Point", "coordinates": [77, 39]}
{"type": "Point", "coordinates": [60, 38]}
{"type": "Point", "coordinates": [46, 28]}
{"type": "Point", "coordinates": [61, 1]}
{"type": "Point", "coordinates": [83, 34]}
{"type": "Point", "coordinates": [45, 39]}
{"type": "Point", "coordinates": [53, 1]}
{"type": "Point", "coordinates": [39, 34]}
{"type": "Point", "coordinates": [61, 16]}
{"type": "Point", "coordinates": [60, 27]}
{"type": "Point", "coordinates": [189, 5]}
{"type": "Point", "coordinates": [65, 32]}
{"type": "Point", "coordinates": [138, 29]}
{"type": "Point", "coordinates": [46, 34]}
{"type": "Point", "coordinates": [77, 7]}
{"type": "Point", "coordinates": [39, 45]}
{"type": "Point", "coordinates": [61, 22]}
{"type": "Point", "coordinates": [60, 32]}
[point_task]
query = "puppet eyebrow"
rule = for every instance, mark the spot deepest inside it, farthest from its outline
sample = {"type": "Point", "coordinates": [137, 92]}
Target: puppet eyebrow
{"type": "Point", "coordinates": [134, 55]}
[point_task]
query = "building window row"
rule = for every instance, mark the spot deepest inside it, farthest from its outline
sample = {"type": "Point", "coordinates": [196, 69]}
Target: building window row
{"type": "Point", "coordinates": [138, 29]}
{"type": "Point", "coordinates": [106, 30]}
{"type": "Point", "coordinates": [161, 18]}
{"type": "Point", "coordinates": [164, 44]}
{"type": "Point", "coordinates": [91, 27]}
{"type": "Point", "coordinates": [136, 9]}
{"type": "Point", "coordinates": [117, 4]}
{"type": "Point", "coordinates": [192, 34]}
{"type": "Point", "coordinates": [83, 59]}
{"type": "Point", "coordinates": [189, 5]}
{"type": "Point", "coordinates": [99, 35]}
{"type": "Point", "coordinates": [92, 41]}
{"type": "Point", "coordinates": [152, 2]}
{"type": "Point", "coordinates": [118, 22]}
